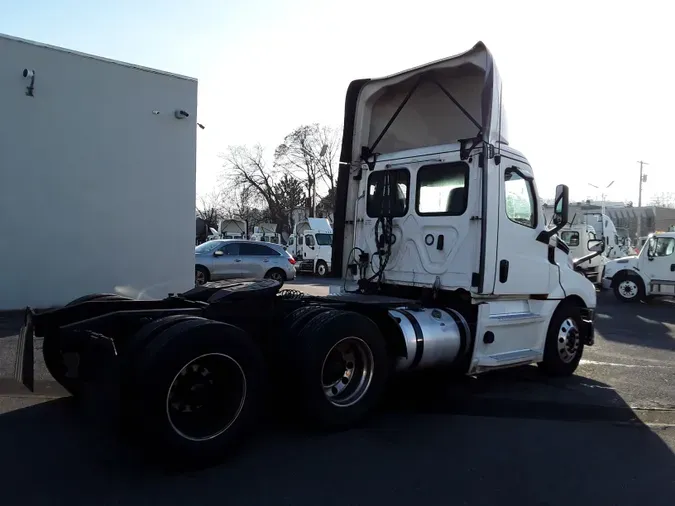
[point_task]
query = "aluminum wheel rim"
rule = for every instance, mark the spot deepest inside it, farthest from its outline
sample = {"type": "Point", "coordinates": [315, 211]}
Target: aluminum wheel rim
{"type": "Point", "coordinates": [321, 269]}
{"type": "Point", "coordinates": [206, 397]}
{"type": "Point", "coordinates": [276, 276]}
{"type": "Point", "coordinates": [628, 289]}
{"type": "Point", "coordinates": [347, 372]}
{"type": "Point", "coordinates": [200, 278]}
{"type": "Point", "coordinates": [568, 340]}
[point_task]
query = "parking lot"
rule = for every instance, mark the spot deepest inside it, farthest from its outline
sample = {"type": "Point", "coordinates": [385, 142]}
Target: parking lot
{"type": "Point", "coordinates": [605, 436]}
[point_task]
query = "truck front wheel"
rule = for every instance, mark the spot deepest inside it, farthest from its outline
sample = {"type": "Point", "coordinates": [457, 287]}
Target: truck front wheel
{"type": "Point", "coordinates": [564, 342]}
{"type": "Point", "coordinates": [343, 366]}
{"type": "Point", "coordinates": [321, 268]}
{"type": "Point", "coordinates": [629, 288]}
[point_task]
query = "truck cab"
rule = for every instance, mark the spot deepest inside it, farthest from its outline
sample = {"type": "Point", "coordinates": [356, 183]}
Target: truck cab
{"type": "Point", "coordinates": [577, 237]}
{"type": "Point", "coordinates": [651, 273]}
{"type": "Point", "coordinates": [438, 206]}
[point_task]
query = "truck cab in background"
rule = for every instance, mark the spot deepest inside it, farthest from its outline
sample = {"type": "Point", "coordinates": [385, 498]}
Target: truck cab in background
{"type": "Point", "coordinates": [311, 244]}
{"type": "Point", "coordinates": [651, 273]}
{"type": "Point", "coordinates": [577, 237]}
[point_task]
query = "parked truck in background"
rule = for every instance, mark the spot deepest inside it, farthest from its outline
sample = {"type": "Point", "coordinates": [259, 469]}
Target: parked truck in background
{"type": "Point", "coordinates": [650, 273]}
{"type": "Point", "coordinates": [577, 237]}
{"type": "Point", "coordinates": [311, 244]}
{"type": "Point", "coordinates": [445, 260]}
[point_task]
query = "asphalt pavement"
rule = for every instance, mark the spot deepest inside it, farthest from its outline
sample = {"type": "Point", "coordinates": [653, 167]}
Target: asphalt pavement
{"type": "Point", "coordinates": [603, 437]}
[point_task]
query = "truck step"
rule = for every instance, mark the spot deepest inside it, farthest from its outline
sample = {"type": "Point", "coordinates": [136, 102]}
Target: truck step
{"type": "Point", "coordinates": [518, 318]}
{"type": "Point", "coordinates": [508, 359]}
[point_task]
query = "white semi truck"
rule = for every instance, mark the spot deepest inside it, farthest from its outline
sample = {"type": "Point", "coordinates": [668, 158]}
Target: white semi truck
{"type": "Point", "coordinates": [439, 240]}
{"type": "Point", "coordinates": [577, 237]}
{"type": "Point", "coordinates": [311, 244]}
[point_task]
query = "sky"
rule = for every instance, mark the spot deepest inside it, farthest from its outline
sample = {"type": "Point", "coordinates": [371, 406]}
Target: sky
{"type": "Point", "coordinates": [587, 85]}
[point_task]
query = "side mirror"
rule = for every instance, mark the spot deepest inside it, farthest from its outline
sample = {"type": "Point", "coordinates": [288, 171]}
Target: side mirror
{"type": "Point", "coordinates": [561, 206]}
{"type": "Point", "coordinates": [218, 253]}
{"type": "Point", "coordinates": [595, 245]}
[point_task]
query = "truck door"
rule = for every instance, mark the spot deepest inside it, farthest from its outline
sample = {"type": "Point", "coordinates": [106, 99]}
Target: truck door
{"type": "Point", "coordinates": [522, 266]}
{"type": "Point", "coordinates": [310, 247]}
{"type": "Point", "coordinates": [657, 264]}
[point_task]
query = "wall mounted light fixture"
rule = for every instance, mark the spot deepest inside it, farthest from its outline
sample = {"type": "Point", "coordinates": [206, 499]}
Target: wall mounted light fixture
{"type": "Point", "coordinates": [29, 74]}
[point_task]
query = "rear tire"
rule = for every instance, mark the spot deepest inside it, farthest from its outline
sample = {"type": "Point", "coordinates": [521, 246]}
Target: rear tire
{"type": "Point", "coordinates": [202, 275]}
{"type": "Point", "coordinates": [342, 368]}
{"type": "Point", "coordinates": [277, 275]}
{"type": "Point", "coordinates": [56, 360]}
{"type": "Point", "coordinates": [564, 343]}
{"type": "Point", "coordinates": [199, 393]}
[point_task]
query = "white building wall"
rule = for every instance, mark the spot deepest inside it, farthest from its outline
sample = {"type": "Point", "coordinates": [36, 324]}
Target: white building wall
{"type": "Point", "coordinates": [96, 191]}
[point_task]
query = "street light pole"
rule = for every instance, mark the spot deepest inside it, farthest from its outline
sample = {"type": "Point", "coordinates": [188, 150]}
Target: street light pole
{"type": "Point", "coordinates": [602, 212]}
{"type": "Point", "coordinates": [643, 178]}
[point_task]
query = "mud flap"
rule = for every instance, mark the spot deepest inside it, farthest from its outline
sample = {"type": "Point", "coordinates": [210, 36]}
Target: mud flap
{"type": "Point", "coordinates": [587, 317]}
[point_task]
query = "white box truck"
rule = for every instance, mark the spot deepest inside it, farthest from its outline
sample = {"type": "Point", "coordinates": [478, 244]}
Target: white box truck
{"type": "Point", "coordinates": [90, 144]}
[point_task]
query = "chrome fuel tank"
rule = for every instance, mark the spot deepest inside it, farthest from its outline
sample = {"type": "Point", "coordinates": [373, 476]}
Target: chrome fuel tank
{"type": "Point", "coordinates": [433, 337]}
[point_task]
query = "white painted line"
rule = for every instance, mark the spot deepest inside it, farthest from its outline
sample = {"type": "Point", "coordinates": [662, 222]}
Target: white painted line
{"type": "Point", "coordinates": [614, 364]}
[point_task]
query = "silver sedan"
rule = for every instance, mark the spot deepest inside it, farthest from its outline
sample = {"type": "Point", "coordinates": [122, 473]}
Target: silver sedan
{"type": "Point", "coordinates": [231, 259]}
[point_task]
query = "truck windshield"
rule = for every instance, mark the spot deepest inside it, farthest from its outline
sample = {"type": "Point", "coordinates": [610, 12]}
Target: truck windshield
{"type": "Point", "coordinates": [324, 239]}
{"type": "Point", "coordinates": [570, 238]}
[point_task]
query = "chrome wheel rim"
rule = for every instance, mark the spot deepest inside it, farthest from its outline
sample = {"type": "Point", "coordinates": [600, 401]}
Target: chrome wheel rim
{"type": "Point", "coordinates": [628, 289]}
{"type": "Point", "coordinates": [568, 340]}
{"type": "Point", "coordinates": [206, 397]}
{"type": "Point", "coordinates": [347, 372]}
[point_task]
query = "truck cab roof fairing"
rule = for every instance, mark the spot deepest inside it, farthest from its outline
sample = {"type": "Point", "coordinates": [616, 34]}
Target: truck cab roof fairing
{"type": "Point", "coordinates": [430, 117]}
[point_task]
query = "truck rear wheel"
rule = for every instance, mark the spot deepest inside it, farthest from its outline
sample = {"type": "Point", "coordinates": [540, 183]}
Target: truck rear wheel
{"type": "Point", "coordinates": [342, 364]}
{"type": "Point", "coordinates": [62, 364]}
{"type": "Point", "coordinates": [564, 342]}
{"type": "Point", "coordinates": [199, 392]}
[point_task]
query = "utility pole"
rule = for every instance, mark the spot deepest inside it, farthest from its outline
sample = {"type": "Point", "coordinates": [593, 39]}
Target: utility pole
{"type": "Point", "coordinates": [643, 178]}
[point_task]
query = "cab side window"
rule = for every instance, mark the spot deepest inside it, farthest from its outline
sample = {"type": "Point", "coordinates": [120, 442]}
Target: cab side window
{"type": "Point", "coordinates": [520, 199]}
{"type": "Point", "coordinates": [661, 246]}
{"type": "Point", "coordinates": [442, 189]}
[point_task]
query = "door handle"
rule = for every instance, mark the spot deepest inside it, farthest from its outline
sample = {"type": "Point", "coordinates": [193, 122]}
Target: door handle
{"type": "Point", "coordinates": [440, 242]}
{"type": "Point", "coordinates": [237, 259]}
{"type": "Point", "coordinates": [266, 260]}
{"type": "Point", "coordinates": [503, 271]}
{"type": "Point", "coordinates": [672, 267]}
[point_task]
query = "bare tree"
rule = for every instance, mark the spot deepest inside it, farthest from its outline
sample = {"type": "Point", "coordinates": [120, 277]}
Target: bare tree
{"type": "Point", "coordinates": [309, 153]}
{"type": "Point", "coordinates": [663, 199]}
{"type": "Point", "coordinates": [242, 204]}
{"type": "Point", "coordinates": [247, 174]}
{"type": "Point", "coordinates": [210, 208]}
